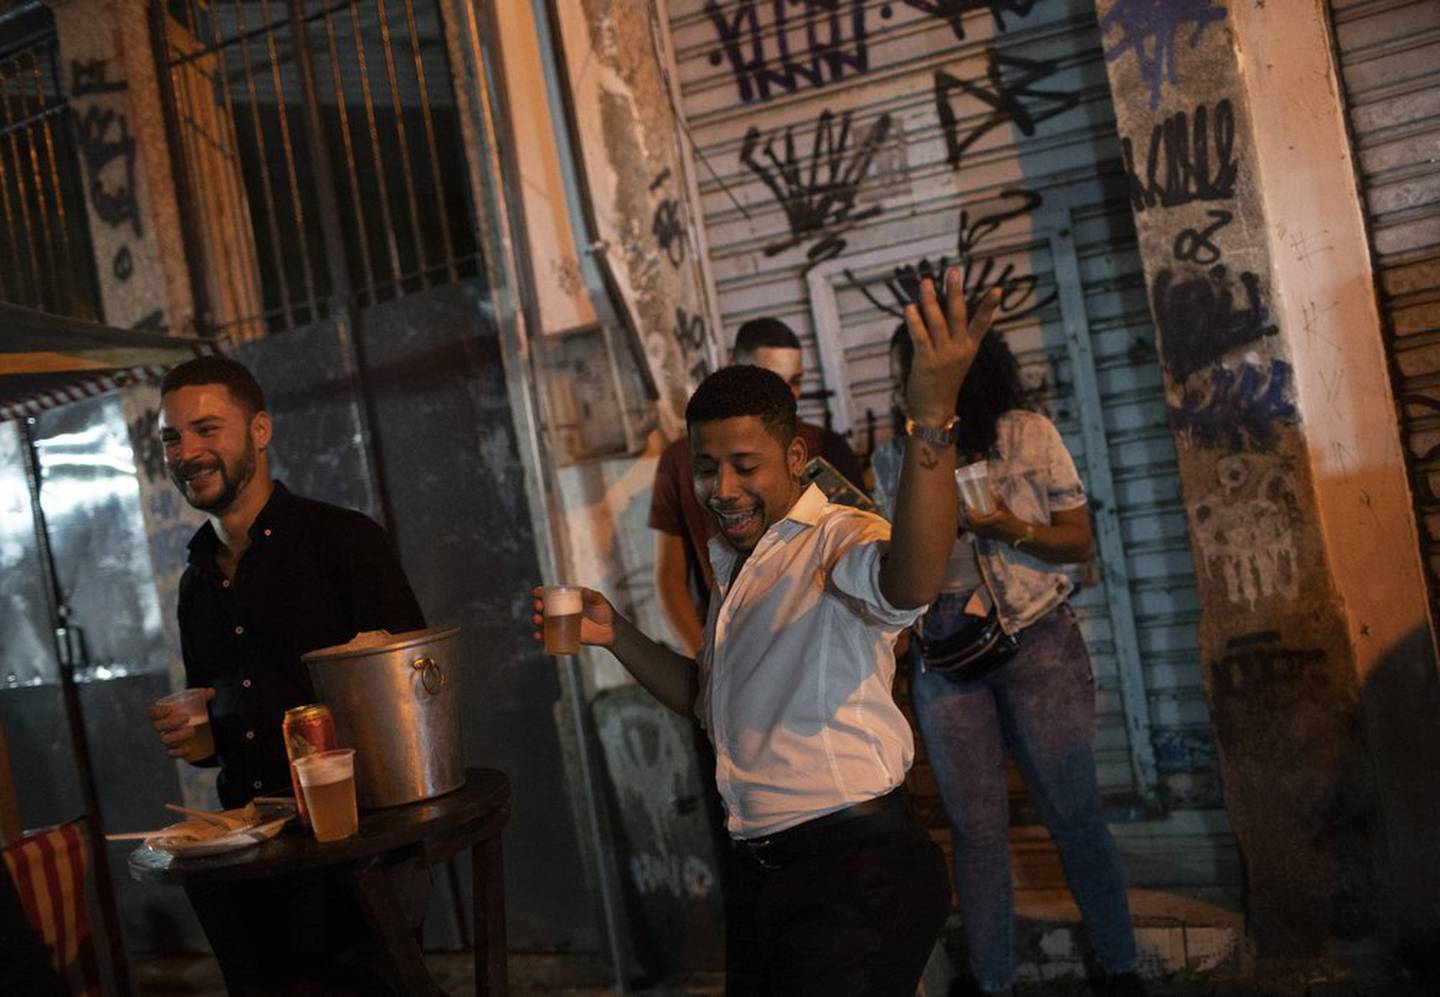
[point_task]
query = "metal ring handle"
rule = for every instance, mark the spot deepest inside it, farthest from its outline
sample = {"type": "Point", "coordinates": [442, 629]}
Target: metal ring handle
{"type": "Point", "coordinates": [432, 676]}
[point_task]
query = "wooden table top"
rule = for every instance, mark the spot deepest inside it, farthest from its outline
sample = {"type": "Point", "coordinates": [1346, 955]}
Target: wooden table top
{"type": "Point", "coordinates": [483, 801]}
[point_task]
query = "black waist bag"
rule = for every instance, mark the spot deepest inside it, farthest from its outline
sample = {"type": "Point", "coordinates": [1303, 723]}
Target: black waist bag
{"type": "Point", "coordinates": [978, 647]}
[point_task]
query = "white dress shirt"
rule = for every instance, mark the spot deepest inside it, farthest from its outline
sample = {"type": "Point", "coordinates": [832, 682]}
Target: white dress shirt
{"type": "Point", "coordinates": [796, 670]}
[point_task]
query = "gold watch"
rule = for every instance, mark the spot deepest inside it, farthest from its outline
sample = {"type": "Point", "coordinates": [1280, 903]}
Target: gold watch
{"type": "Point", "coordinates": [936, 436]}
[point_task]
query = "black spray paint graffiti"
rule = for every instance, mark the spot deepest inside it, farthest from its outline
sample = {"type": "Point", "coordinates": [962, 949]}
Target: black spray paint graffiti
{"type": "Point", "coordinates": [1198, 320]}
{"type": "Point", "coordinates": [954, 11]}
{"type": "Point", "coordinates": [149, 451]}
{"type": "Point", "coordinates": [1148, 28]}
{"type": "Point", "coordinates": [1197, 245]}
{"type": "Point", "coordinates": [668, 225]}
{"type": "Point", "coordinates": [689, 331]}
{"type": "Point", "coordinates": [104, 138]}
{"type": "Point", "coordinates": [1191, 158]}
{"type": "Point", "coordinates": [831, 38]}
{"type": "Point", "coordinates": [1004, 99]}
{"type": "Point", "coordinates": [1017, 295]}
{"type": "Point", "coordinates": [1257, 660]}
{"type": "Point", "coordinates": [1238, 409]}
{"type": "Point", "coordinates": [818, 192]}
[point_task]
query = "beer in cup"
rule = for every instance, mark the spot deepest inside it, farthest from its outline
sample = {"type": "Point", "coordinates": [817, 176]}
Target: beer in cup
{"type": "Point", "coordinates": [191, 702]}
{"type": "Point", "coordinates": [974, 482]}
{"type": "Point", "coordinates": [563, 609]}
{"type": "Point", "coordinates": [327, 778]}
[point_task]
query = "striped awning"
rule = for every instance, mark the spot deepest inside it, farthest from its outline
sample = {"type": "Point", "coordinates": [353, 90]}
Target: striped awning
{"type": "Point", "coordinates": [49, 360]}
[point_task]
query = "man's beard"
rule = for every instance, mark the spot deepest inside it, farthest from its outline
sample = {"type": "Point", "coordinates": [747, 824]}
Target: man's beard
{"type": "Point", "coordinates": [232, 479]}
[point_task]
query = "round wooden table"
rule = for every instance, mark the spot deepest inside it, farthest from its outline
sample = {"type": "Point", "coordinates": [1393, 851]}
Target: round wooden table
{"type": "Point", "coordinates": [431, 831]}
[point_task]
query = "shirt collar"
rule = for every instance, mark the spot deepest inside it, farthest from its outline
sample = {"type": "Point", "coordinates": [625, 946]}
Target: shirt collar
{"type": "Point", "coordinates": [804, 514]}
{"type": "Point", "coordinates": [275, 516]}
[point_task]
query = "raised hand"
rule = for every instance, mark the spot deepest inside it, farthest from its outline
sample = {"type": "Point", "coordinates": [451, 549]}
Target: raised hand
{"type": "Point", "coordinates": [597, 622]}
{"type": "Point", "coordinates": [946, 341]}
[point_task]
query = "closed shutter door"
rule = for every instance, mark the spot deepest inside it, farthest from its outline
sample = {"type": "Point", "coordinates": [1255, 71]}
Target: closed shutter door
{"type": "Point", "coordinates": [1390, 60]}
{"type": "Point", "coordinates": [838, 141]}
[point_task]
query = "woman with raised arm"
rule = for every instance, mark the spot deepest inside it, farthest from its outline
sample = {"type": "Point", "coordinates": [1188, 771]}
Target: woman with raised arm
{"type": "Point", "coordinates": [998, 661]}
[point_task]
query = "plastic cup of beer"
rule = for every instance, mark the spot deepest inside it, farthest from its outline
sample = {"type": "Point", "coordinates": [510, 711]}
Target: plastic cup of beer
{"type": "Point", "coordinates": [563, 610]}
{"type": "Point", "coordinates": [974, 482]}
{"type": "Point", "coordinates": [191, 702]}
{"type": "Point", "coordinates": [327, 778]}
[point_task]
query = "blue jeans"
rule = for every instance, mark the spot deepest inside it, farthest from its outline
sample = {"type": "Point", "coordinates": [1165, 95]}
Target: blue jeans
{"type": "Point", "coordinates": [1041, 704]}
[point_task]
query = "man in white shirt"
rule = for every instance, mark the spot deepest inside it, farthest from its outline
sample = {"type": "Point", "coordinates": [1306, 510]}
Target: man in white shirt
{"type": "Point", "coordinates": [834, 887]}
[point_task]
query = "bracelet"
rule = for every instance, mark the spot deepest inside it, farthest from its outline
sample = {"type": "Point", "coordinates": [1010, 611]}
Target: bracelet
{"type": "Point", "coordinates": [1027, 538]}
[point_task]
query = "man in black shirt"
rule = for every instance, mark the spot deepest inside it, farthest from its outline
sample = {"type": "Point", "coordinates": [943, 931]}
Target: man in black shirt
{"type": "Point", "coordinates": [271, 576]}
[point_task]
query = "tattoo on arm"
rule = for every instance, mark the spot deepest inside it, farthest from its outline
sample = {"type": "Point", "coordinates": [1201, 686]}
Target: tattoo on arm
{"type": "Point", "coordinates": [928, 459]}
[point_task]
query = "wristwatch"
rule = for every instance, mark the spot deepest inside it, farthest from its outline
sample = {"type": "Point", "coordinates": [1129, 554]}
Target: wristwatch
{"type": "Point", "coordinates": [936, 436]}
{"type": "Point", "coordinates": [1028, 537]}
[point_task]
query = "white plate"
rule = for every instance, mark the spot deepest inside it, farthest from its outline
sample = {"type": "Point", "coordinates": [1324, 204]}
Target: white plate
{"type": "Point", "coordinates": [216, 844]}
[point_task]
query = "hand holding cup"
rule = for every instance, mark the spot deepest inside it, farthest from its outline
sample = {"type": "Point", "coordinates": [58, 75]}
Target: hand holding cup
{"type": "Point", "coordinates": [555, 609]}
{"type": "Point", "coordinates": [183, 723]}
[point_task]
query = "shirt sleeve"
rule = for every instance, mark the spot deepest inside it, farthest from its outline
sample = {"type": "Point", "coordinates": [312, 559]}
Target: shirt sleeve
{"type": "Point", "coordinates": [1064, 490]}
{"type": "Point", "coordinates": [854, 576]}
{"type": "Point", "coordinates": [665, 512]}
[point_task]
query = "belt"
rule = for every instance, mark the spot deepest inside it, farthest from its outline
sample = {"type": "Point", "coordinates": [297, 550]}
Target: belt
{"type": "Point", "coordinates": [853, 823]}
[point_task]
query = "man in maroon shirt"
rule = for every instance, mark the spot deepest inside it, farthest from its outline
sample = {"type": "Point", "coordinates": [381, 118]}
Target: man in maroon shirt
{"type": "Point", "coordinates": [683, 529]}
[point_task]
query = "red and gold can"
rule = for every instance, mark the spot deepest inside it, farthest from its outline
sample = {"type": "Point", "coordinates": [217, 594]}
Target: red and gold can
{"type": "Point", "coordinates": [307, 729]}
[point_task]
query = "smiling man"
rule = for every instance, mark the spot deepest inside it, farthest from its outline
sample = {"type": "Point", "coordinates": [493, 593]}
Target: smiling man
{"type": "Point", "coordinates": [271, 576]}
{"type": "Point", "coordinates": [834, 888]}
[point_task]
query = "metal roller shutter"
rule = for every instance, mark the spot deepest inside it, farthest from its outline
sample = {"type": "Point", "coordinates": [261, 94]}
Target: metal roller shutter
{"type": "Point", "coordinates": [1389, 53]}
{"type": "Point", "coordinates": [837, 141]}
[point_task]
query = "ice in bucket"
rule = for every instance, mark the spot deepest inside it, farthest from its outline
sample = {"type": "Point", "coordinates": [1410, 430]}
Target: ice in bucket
{"type": "Point", "coordinates": [974, 482]}
{"type": "Point", "coordinates": [563, 609]}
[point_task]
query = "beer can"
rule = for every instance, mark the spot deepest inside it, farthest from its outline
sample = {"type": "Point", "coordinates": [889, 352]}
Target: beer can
{"type": "Point", "coordinates": [307, 729]}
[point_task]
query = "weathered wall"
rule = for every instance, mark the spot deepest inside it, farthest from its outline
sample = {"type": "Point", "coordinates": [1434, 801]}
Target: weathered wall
{"type": "Point", "coordinates": [627, 146]}
{"type": "Point", "coordinates": [120, 133]}
{"type": "Point", "coordinates": [1259, 284]}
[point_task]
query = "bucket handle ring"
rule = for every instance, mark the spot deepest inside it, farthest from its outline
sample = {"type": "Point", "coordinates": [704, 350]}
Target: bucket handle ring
{"type": "Point", "coordinates": [431, 674]}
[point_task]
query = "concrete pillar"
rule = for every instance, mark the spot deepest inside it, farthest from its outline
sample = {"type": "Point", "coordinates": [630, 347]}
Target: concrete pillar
{"type": "Point", "coordinates": [1317, 645]}
{"type": "Point", "coordinates": [109, 71]}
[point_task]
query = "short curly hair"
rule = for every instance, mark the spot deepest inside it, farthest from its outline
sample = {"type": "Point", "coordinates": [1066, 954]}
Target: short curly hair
{"type": "Point", "coordinates": [745, 390]}
{"type": "Point", "coordinates": [216, 369]}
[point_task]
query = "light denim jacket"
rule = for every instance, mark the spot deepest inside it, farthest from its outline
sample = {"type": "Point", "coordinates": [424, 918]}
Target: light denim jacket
{"type": "Point", "coordinates": [1035, 475]}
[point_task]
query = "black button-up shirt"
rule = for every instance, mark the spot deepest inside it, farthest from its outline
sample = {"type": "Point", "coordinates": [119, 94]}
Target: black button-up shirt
{"type": "Point", "coordinates": [313, 576]}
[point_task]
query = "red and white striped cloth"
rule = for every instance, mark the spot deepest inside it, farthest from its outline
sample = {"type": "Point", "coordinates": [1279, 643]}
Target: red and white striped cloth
{"type": "Point", "coordinates": [49, 873]}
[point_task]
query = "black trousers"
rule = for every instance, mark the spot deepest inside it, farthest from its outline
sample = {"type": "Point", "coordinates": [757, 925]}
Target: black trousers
{"type": "Point", "coordinates": [854, 908]}
{"type": "Point", "coordinates": [300, 934]}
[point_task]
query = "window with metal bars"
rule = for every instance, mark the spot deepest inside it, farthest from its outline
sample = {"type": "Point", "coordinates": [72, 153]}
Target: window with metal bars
{"type": "Point", "coordinates": [272, 198]}
{"type": "Point", "coordinates": [46, 260]}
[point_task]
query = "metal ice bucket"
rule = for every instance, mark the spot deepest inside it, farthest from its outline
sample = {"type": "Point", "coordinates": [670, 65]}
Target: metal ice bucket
{"type": "Point", "coordinates": [398, 705]}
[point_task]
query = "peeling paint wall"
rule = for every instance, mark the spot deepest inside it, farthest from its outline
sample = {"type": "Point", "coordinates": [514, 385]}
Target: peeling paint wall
{"type": "Point", "coordinates": [629, 147]}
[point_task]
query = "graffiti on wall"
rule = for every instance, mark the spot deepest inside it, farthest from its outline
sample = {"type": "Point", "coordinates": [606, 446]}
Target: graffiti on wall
{"type": "Point", "coordinates": [953, 11]}
{"type": "Point", "coordinates": [818, 189]}
{"type": "Point", "coordinates": [1006, 99]}
{"type": "Point", "coordinates": [1244, 531]}
{"type": "Point", "coordinates": [1237, 408]}
{"type": "Point", "coordinates": [1203, 316]}
{"type": "Point", "coordinates": [667, 225]}
{"type": "Point", "coordinates": [801, 43]}
{"type": "Point", "coordinates": [109, 153]}
{"type": "Point", "coordinates": [1149, 29]}
{"type": "Point", "coordinates": [979, 273]}
{"type": "Point", "coordinates": [1191, 157]}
